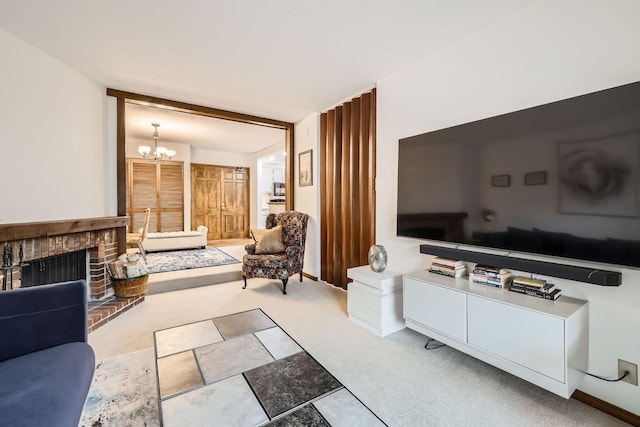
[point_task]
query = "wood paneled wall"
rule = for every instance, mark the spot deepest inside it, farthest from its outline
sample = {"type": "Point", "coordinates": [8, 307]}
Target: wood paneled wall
{"type": "Point", "coordinates": [347, 193]}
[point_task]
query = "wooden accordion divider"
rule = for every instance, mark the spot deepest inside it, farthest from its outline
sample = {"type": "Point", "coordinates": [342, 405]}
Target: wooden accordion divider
{"type": "Point", "coordinates": [347, 193]}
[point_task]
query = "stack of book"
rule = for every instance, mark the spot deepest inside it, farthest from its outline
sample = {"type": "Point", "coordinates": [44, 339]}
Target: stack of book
{"type": "Point", "coordinates": [490, 276]}
{"type": "Point", "coordinates": [535, 287]}
{"type": "Point", "coordinates": [448, 267]}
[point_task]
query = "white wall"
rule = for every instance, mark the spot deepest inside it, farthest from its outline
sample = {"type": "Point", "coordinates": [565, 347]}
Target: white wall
{"type": "Point", "coordinates": [307, 199]}
{"type": "Point", "coordinates": [544, 52]}
{"type": "Point", "coordinates": [221, 158]}
{"type": "Point", "coordinates": [54, 156]}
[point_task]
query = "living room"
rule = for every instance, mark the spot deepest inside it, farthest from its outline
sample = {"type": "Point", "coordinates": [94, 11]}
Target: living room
{"type": "Point", "coordinates": [59, 131]}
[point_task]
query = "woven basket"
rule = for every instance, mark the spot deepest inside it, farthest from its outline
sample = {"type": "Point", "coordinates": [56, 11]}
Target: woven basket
{"type": "Point", "coordinates": [130, 287]}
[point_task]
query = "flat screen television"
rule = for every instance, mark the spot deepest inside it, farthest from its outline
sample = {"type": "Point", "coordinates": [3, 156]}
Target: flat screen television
{"type": "Point", "coordinates": [560, 179]}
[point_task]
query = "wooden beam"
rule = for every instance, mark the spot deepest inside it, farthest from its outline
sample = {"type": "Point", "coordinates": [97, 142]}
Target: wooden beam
{"type": "Point", "coordinates": [121, 173]}
{"type": "Point", "coordinates": [200, 110]}
{"type": "Point", "coordinates": [290, 180]}
{"type": "Point", "coordinates": [185, 107]}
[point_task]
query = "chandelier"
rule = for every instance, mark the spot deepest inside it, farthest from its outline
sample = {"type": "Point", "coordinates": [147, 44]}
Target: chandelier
{"type": "Point", "coordinates": [159, 153]}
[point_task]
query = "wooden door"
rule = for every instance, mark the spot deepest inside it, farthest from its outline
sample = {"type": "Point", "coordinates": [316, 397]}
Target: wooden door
{"type": "Point", "coordinates": [234, 208]}
{"type": "Point", "coordinates": [205, 199]}
{"type": "Point", "coordinates": [171, 196]}
{"type": "Point", "coordinates": [160, 187]}
{"type": "Point", "coordinates": [142, 194]}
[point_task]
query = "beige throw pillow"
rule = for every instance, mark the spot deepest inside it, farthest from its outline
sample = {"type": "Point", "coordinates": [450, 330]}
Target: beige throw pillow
{"type": "Point", "coordinates": [268, 241]}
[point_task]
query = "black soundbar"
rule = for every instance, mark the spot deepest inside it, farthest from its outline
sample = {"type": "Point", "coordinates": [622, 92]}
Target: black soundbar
{"type": "Point", "coordinates": [570, 272]}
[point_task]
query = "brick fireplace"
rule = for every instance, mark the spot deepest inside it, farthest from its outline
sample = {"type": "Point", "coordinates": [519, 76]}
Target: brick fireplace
{"type": "Point", "coordinates": [43, 240]}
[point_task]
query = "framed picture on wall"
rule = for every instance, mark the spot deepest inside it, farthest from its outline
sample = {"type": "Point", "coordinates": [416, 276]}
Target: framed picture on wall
{"type": "Point", "coordinates": [305, 163]}
{"type": "Point", "coordinates": [501, 180]}
{"type": "Point", "coordinates": [535, 178]}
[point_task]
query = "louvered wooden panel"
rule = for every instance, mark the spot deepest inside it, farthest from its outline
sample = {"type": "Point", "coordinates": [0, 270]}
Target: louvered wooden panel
{"type": "Point", "coordinates": [347, 195]}
{"type": "Point", "coordinates": [171, 221]}
{"type": "Point", "coordinates": [141, 191]}
{"type": "Point", "coordinates": [171, 196]}
{"type": "Point", "coordinates": [137, 222]}
{"type": "Point", "coordinates": [159, 186]}
{"type": "Point", "coordinates": [171, 185]}
{"type": "Point", "coordinates": [144, 185]}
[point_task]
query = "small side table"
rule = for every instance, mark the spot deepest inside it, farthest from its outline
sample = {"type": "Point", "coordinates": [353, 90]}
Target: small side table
{"type": "Point", "coordinates": [374, 300]}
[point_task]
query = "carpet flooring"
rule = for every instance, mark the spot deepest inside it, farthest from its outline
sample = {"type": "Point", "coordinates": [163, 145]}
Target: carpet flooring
{"type": "Point", "coordinates": [401, 382]}
{"type": "Point", "coordinates": [162, 262]}
{"type": "Point", "coordinates": [244, 370]}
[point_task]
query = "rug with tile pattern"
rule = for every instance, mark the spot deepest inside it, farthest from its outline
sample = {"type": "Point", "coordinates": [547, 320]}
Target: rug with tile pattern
{"type": "Point", "coordinates": [244, 370]}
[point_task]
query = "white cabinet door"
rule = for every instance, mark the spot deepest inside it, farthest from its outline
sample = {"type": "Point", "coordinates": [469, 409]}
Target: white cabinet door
{"type": "Point", "coordinates": [437, 308]}
{"type": "Point", "coordinates": [522, 336]}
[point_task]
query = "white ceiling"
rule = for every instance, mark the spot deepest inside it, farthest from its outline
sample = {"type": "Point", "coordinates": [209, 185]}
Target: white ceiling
{"type": "Point", "coordinates": [280, 59]}
{"type": "Point", "coordinates": [198, 131]}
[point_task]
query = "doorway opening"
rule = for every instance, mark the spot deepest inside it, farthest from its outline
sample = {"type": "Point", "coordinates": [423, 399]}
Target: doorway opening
{"type": "Point", "coordinates": [272, 194]}
{"type": "Point", "coordinates": [192, 151]}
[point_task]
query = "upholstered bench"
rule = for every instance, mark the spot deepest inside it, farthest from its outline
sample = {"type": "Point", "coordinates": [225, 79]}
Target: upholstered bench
{"type": "Point", "coordinates": [46, 365]}
{"type": "Point", "coordinates": [173, 240]}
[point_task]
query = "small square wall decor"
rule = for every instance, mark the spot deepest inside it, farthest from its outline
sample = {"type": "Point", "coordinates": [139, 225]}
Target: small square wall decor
{"type": "Point", "coordinates": [535, 178]}
{"type": "Point", "coordinates": [501, 180]}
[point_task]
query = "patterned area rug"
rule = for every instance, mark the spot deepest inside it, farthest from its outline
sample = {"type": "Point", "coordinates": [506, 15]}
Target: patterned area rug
{"type": "Point", "coordinates": [239, 370]}
{"type": "Point", "coordinates": [161, 262]}
{"type": "Point", "coordinates": [123, 393]}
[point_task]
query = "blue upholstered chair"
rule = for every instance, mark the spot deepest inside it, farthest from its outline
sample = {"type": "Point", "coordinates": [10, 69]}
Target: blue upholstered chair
{"type": "Point", "coordinates": [46, 365]}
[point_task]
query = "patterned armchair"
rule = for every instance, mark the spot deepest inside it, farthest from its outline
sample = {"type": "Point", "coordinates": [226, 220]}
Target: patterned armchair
{"type": "Point", "coordinates": [279, 266]}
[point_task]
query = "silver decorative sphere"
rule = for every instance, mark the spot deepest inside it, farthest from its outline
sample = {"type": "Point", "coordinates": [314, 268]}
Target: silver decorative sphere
{"type": "Point", "coordinates": [377, 258]}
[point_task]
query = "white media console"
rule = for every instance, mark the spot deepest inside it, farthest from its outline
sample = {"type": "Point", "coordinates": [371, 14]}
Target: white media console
{"type": "Point", "coordinates": [541, 341]}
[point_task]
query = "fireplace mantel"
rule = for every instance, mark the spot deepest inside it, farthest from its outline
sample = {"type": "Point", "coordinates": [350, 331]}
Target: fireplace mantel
{"type": "Point", "coordinates": [101, 237]}
{"type": "Point", "coordinates": [30, 230]}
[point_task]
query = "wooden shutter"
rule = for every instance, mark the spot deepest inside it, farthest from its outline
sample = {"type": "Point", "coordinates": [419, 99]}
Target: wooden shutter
{"type": "Point", "coordinates": [159, 186]}
{"type": "Point", "coordinates": [171, 196]}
